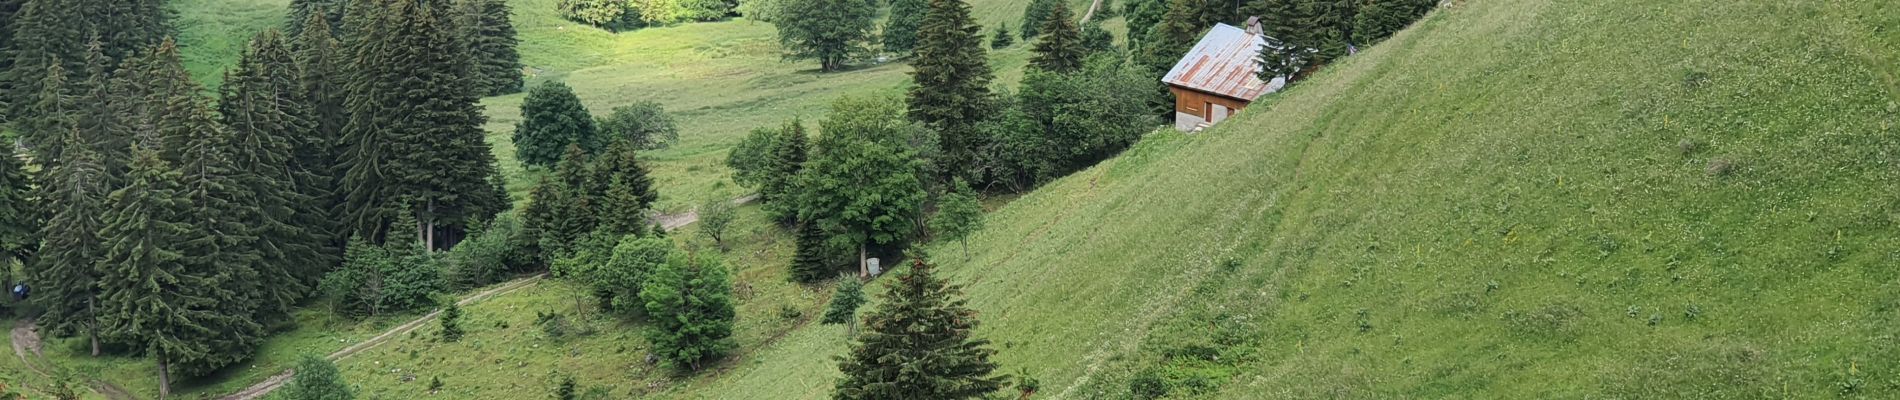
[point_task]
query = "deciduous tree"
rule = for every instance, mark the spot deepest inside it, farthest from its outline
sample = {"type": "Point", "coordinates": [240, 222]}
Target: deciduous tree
{"type": "Point", "coordinates": [830, 31]}
{"type": "Point", "coordinates": [958, 215]}
{"type": "Point", "coordinates": [551, 119]}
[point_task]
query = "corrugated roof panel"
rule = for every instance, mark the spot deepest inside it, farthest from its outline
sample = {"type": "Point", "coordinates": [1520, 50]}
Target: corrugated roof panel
{"type": "Point", "coordinates": [1223, 63]}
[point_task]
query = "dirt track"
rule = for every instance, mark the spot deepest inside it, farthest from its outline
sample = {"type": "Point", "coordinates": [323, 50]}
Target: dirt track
{"type": "Point", "coordinates": [26, 340]}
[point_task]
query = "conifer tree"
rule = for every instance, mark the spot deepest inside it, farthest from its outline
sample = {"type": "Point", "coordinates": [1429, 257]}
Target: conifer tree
{"type": "Point", "coordinates": [19, 221]}
{"type": "Point", "coordinates": [537, 218]}
{"type": "Point", "coordinates": [900, 27]}
{"type": "Point", "coordinates": [572, 213]}
{"type": "Point", "coordinates": [918, 344]}
{"type": "Point", "coordinates": [52, 115]}
{"type": "Point", "coordinates": [496, 69]}
{"type": "Point", "coordinates": [407, 63]}
{"type": "Point", "coordinates": [259, 103]}
{"type": "Point", "coordinates": [100, 115]}
{"type": "Point", "coordinates": [628, 191]}
{"type": "Point", "coordinates": [1036, 15]}
{"type": "Point", "coordinates": [690, 302]}
{"type": "Point", "coordinates": [144, 299]}
{"type": "Point", "coordinates": [778, 186]}
{"type": "Point", "coordinates": [1003, 38]}
{"type": "Point", "coordinates": [1060, 48]}
{"type": "Point", "coordinates": [1095, 39]}
{"type": "Point", "coordinates": [451, 321]}
{"type": "Point", "coordinates": [296, 21]}
{"type": "Point", "coordinates": [551, 119]}
{"type": "Point", "coordinates": [67, 285]}
{"type": "Point", "coordinates": [952, 81]}
{"type": "Point", "coordinates": [321, 64]}
{"type": "Point", "coordinates": [218, 246]}
{"type": "Point", "coordinates": [1171, 38]}
{"type": "Point", "coordinates": [844, 306]}
{"type": "Point", "coordinates": [811, 262]}
{"type": "Point", "coordinates": [46, 33]}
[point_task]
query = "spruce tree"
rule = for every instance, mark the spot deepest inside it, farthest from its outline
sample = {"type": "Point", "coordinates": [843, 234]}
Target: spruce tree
{"type": "Point", "coordinates": [145, 299]}
{"type": "Point", "coordinates": [259, 103]}
{"type": "Point", "coordinates": [844, 306]}
{"type": "Point", "coordinates": [572, 213]}
{"type": "Point", "coordinates": [415, 133]}
{"type": "Point", "coordinates": [918, 344]}
{"type": "Point", "coordinates": [496, 69]}
{"type": "Point", "coordinates": [67, 282]}
{"type": "Point", "coordinates": [1060, 48]}
{"type": "Point", "coordinates": [101, 114]}
{"type": "Point", "coordinates": [537, 218]}
{"type": "Point", "coordinates": [46, 33]}
{"type": "Point", "coordinates": [626, 190]}
{"type": "Point", "coordinates": [952, 81]}
{"type": "Point", "coordinates": [689, 300]}
{"type": "Point", "coordinates": [296, 21]}
{"type": "Point", "coordinates": [551, 119]}
{"type": "Point", "coordinates": [53, 114]}
{"type": "Point", "coordinates": [451, 321]}
{"type": "Point", "coordinates": [812, 261]}
{"type": "Point", "coordinates": [321, 67]}
{"type": "Point", "coordinates": [1002, 39]}
{"type": "Point", "coordinates": [218, 246]}
{"type": "Point", "coordinates": [1036, 15]}
{"type": "Point", "coordinates": [1095, 39]}
{"type": "Point", "coordinates": [1171, 38]}
{"type": "Point", "coordinates": [900, 27]}
{"type": "Point", "coordinates": [778, 187]}
{"type": "Point", "coordinates": [19, 220]}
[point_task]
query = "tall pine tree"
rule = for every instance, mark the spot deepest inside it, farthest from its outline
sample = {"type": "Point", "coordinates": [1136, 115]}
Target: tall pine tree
{"type": "Point", "coordinates": [952, 81]}
{"type": "Point", "coordinates": [261, 105]}
{"type": "Point", "coordinates": [48, 32]}
{"type": "Point", "coordinates": [66, 280]}
{"type": "Point", "coordinates": [296, 21]}
{"type": "Point", "coordinates": [778, 187]}
{"type": "Point", "coordinates": [321, 68]}
{"type": "Point", "coordinates": [1060, 48]}
{"type": "Point", "coordinates": [812, 260]}
{"type": "Point", "coordinates": [900, 27]}
{"type": "Point", "coordinates": [625, 190]}
{"type": "Point", "coordinates": [144, 300]}
{"type": "Point", "coordinates": [19, 222]}
{"type": "Point", "coordinates": [918, 344]}
{"type": "Point", "coordinates": [496, 69]}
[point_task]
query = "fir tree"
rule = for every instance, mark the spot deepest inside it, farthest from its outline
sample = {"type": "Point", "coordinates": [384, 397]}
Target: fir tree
{"type": "Point", "coordinates": [143, 301]}
{"type": "Point", "coordinates": [900, 27]}
{"type": "Point", "coordinates": [1060, 48]}
{"type": "Point", "coordinates": [491, 42]}
{"type": "Point", "coordinates": [812, 260]}
{"type": "Point", "coordinates": [19, 224]}
{"type": "Point", "coordinates": [537, 218]}
{"type": "Point", "coordinates": [320, 64]}
{"type": "Point", "coordinates": [551, 119]}
{"type": "Point", "coordinates": [565, 391]}
{"type": "Point", "coordinates": [778, 186]}
{"type": "Point", "coordinates": [918, 344]}
{"type": "Point", "coordinates": [628, 191]}
{"type": "Point", "coordinates": [830, 31]}
{"type": "Point", "coordinates": [952, 81]}
{"type": "Point", "coordinates": [53, 115]}
{"type": "Point", "coordinates": [1002, 39]}
{"type": "Point", "coordinates": [259, 103]}
{"type": "Point", "coordinates": [296, 21]}
{"type": "Point", "coordinates": [317, 379]}
{"type": "Point", "coordinates": [1037, 15]}
{"type": "Point", "coordinates": [218, 246]}
{"type": "Point", "coordinates": [415, 131]}
{"type": "Point", "coordinates": [572, 214]}
{"type": "Point", "coordinates": [48, 32]}
{"type": "Point", "coordinates": [1171, 38]}
{"type": "Point", "coordinates": [1095, 39]}
{"type": "Point", "coordinates": [451, 321]}
{"type": "Point", "coordinates": [690, 302]}
{"type": "Point", "coordinates": [67, 281]}
{"type": "Point", "coordinates": [844, 306]}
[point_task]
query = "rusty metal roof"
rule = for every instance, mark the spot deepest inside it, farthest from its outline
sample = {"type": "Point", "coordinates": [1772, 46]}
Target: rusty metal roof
{"type": "Point", "coordinates": [1223, 64]}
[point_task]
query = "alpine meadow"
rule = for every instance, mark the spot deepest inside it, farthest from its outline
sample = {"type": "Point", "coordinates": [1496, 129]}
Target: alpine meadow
{"type": "Point", "coordinates": [949, 199]}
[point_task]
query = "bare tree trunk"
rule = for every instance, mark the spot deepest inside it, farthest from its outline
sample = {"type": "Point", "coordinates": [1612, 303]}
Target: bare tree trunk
{"type": "Point", "coordinates": [428, 228]}
{"type": "Point", "coordinates": [92, 325]}
{"type": "Point", "coordinates": [966, 249]}
{"type": "Point", "coordinates": [164, 377]}
{"type": "Point", "coordinates": [864, 267]}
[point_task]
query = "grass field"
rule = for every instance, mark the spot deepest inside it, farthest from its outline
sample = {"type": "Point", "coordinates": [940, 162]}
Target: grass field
{"type": "Point", "coordinates": [1512, 199]}
{"type": "Point", "coordinates": [1527, 199]}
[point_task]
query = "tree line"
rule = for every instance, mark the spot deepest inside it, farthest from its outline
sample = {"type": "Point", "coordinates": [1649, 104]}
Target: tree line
{"type": "Point", "coordinates": [159, 222]}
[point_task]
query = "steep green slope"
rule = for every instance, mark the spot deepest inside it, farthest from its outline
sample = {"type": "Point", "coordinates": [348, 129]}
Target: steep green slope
{"type": "Point", "coordinates": [1512, 199]}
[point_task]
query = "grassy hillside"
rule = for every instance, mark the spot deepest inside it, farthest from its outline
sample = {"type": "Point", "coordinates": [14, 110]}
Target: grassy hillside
{"type": "Point", "coordinates": [1513, 199]}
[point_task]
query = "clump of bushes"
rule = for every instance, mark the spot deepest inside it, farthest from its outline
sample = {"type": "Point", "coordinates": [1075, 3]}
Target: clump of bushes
{"type": "Point", "coordinates": [633, 14]}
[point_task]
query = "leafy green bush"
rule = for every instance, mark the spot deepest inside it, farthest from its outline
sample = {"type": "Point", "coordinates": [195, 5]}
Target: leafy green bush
{"type": "Point", "coordinates": [645, 124]}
